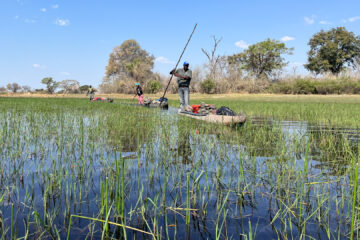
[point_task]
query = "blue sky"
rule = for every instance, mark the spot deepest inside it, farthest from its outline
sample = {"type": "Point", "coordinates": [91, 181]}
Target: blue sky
{"type": "Point", "coordinates": [72, 39]}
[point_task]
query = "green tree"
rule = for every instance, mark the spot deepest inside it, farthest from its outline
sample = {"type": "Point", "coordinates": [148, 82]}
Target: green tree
{"type": "Point", "coordinates": [13, 87]}
{"type": "Point", "coordinates": [332, 51]}
{"type": "Point", "coordinates": [263, 58]}
{"type": "Point", "coordinates": [208, 86]}
{"type": "Point", "coordinates": [153, 86]}
{"type": "Point", "coordinates": [51, 85]}
{"type": "Point", "coordinates": [128, 63]}
{"type": "Point", "coordinates": [84, 88]}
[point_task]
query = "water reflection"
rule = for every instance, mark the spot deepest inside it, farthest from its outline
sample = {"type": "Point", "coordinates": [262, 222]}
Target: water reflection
{"type": "Point", "coordinates": [184, 146]}
{"type": "Point", "coordinates": [129, 136]}
{"type": "Point", "coordinates": [331, 148]}
{"type": "Point", "coordinates": [238, 177]}
{"type": "Point", "coordinates": [334, 150]}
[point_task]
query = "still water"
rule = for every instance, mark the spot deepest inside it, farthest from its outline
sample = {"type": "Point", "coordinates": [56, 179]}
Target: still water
{"type": "Point", "coordinates": [266, 179]}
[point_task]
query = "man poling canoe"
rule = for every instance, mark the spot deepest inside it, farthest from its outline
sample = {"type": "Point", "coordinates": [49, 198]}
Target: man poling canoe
{"type": "Point", "coordinates": [139, 93]}
{"type": "Point", "coordinates": [91, 91]}
{"type": "Point", "coordinates": [184, 76]}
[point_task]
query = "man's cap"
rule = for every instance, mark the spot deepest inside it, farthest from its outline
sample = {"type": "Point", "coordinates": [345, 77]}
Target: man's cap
{"type": "Point", "coordinates": [137, 84]}
{"type": "Point", "coordinates": [186, 63]}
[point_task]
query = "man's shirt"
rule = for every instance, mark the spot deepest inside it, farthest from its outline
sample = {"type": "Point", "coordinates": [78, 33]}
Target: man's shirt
{"type": "Point", "coordinates": [182, 82]}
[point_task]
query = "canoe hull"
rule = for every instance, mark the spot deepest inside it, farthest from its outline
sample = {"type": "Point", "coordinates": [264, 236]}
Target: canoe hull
{"type": "Point", "coordinates": [219, 119]}
{"type": "Point", "coordinates": [163, 105]}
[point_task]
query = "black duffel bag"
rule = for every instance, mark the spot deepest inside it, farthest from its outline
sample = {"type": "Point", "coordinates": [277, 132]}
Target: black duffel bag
{"type": "Point", "coordinates": [225, 111]}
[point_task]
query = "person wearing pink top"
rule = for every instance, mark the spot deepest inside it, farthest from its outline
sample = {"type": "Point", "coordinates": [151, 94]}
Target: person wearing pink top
{"type": "Point", "coordinates": [139, 93]}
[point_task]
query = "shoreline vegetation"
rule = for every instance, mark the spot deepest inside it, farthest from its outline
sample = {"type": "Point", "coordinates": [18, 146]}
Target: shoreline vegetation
{"type": "Point", "coordinates": [332, 67]}
{"type": "Point", "coordinates": [175, 96]}
{"type": "Point", "coordinates": [259, 97]}
{"type": "Point", "coordinates": [330, 110]}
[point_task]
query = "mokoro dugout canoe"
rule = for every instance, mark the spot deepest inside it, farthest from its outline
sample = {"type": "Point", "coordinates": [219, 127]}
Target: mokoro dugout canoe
{"type": "Point", "coordinates": [212, 118]}
{"type": "Point", "coordinates": [163, 105]}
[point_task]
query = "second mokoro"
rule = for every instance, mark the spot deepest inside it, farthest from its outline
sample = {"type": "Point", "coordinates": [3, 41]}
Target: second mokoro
{"type": "Point", "coordinates": [213, 118]}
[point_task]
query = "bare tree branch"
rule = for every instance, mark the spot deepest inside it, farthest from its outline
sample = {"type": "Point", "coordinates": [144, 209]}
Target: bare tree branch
{"type": "Point", "coordinates": [213, 58]}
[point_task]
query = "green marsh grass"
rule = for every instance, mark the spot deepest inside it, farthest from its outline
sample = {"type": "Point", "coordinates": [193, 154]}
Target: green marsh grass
{"type": "Point", "coordinates": [333, 110]}
{"type": "Point", "coordinates": [75, 169]}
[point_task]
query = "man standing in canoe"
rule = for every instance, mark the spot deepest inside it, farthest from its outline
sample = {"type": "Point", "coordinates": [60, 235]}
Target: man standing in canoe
{"type": "Point", "coordinates": [91, 91]}
{"type": "Point", "coordinates": [184, 76]}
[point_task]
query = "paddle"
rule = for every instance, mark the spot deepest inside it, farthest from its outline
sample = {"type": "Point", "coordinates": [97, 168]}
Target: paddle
{"type": "Point", "coordinates": [162, 98]}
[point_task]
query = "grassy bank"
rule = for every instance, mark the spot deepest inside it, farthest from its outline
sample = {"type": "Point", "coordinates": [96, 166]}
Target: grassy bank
{"type": "Point", "coordinates": [346, 98]}
{"type": "Point", "coordinates": [336, 110]}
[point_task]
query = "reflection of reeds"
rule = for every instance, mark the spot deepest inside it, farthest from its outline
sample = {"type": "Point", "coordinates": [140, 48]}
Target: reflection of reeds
{"type": "Point", "coordinates": [354, 198]}
{"type": "Point", "coordinates": [168, 176]}
{"type": "Point", "coordinates": [188, 199]}
{"type": "Point", "coordinates": [106, 222]}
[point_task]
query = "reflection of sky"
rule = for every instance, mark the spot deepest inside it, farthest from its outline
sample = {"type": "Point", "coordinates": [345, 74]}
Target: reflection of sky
{"type": "Point", "coordinates": [147, 169]}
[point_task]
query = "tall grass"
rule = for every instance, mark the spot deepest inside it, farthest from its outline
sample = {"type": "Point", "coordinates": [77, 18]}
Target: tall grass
{"type": "Point", "coordinates": [75, 169]}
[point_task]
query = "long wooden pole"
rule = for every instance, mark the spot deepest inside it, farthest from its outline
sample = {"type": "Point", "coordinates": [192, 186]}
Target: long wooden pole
{"type": "Point", "coordinates": [162, 98]}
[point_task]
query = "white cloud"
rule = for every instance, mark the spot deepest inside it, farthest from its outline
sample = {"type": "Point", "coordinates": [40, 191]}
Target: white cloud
{"type": "Point", "coordinates": [16, 17]}
{"type": "Point", "coordinates": [164, 60]}
{"type": "Point", "coordinates": [43, 9]}
{"type": "Point", "coordinates": [287, 38]}
{"type": "Point", "coordinates": [35, 65]}
{"type": "Point", "coordinates": [353, 19]}
{"type": "Point", "coordinates": [310, 20]}
{"type": "Point", "coordinates": [55, 6]}
{"type": "Point", "coordinates": [242, 44]}
{"type": "Point", "coordinates": [325, 22]}
{"type": "Point", "coordinates": [62, 22]}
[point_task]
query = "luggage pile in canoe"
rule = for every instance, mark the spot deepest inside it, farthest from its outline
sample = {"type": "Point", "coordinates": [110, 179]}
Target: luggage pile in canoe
{"type": "Point", "coordinates": [102, 99]}
{"type": "Point", "coordinates": [209, 113]}
{"type": "Point", "coordinates": [156, 103]}
{"type": "Point", "coordinates": [202, 108]}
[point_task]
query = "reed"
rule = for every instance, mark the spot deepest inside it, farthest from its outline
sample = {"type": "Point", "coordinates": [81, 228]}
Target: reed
{"type": "Point", "coordinates": [354, 199]}
{"type": "Point", "coordinates": [72, 168]}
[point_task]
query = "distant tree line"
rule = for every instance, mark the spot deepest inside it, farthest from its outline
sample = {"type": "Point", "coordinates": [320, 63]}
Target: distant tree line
{"type": "Point", "coordinates": [14, 88]}
{"type": "Point", "coordinates": [51, 86]}
{"type": "Point", "coordinates": [255, 69]}
{"type": "Point", "coordinates": [333, 60]}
